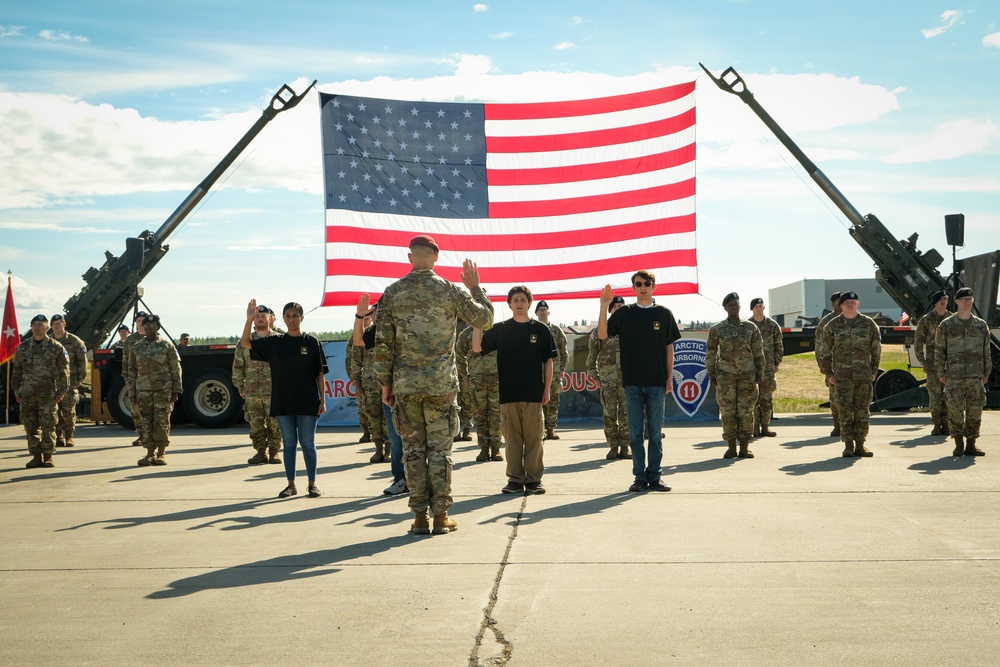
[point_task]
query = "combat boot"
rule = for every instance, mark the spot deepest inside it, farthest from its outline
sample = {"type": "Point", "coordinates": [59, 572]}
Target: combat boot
{"type": "Point", "coordinates": [35, 462]}
{"type": "Point", "coordinates": [465, 437]}
{"type": "Point", "coordinates": [136, 443]}
{"type": "Point", "coordinates": [365, 437]}
{"type": "Point", "coordinates": [731, 452]}
{"type": "Point", "coordinates": [484, 453]}
{"type": "Point", "coordinates": [47, 461]}
{"type": "Point", "coordinates": [971, 449]}
{"type": "Point", "coordinates": [848, 449]}
{"type": "Point", "coordinates": [861, 451]}
{"type": "Point", "coordinates": [60, 442]}
{"type": "Point", "coordinates": [937, 430]}
{"type": "Point", "coordinates": [259, 457]}
{"type": "Point", "coordinates": [550, 434]}
{"type": "Point", "coordinates": [379, 455]}
{"type": "Point", "coordinates": [495, 453]}
{"type": "Point", "coordinates": [69, 441]}
{"type": "Point", "coordinates": [945, 430]}
{"type": "Point", "coordinates": [150, 456]}
{"type": "Point", "coordinates": [835, 433]}
{"type": "Point", "coordinates": [756, 431]}
{"type": "Point", "coordinates": [273, 455]}
{"type": "Point", "coordinates": [959, 446]}
{"type": "Point", "coordinates": [161, 457]}
{"type": "Point", "coordinates": [443, 524]}
{"type": "Point", "coordinates": [422, 524]}
{"type": "Point", "coordinates": [766, 432]}
{"type": "Point", "coordinates": [624, 453]}
{"type": "Point", "coordinates": [613, 454]}
{"type": "Point", "coordinates": [745, 452]}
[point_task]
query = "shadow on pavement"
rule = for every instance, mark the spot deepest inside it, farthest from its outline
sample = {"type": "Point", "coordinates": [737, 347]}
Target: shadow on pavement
{"type": "Point", "coordinates": [944, 464]}
{"type": "Point", "coordinates": [829, 465]}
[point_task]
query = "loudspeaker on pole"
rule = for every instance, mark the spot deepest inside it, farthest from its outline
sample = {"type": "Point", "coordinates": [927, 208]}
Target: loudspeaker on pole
{"type": "Point", "coordinates": [954, 229]}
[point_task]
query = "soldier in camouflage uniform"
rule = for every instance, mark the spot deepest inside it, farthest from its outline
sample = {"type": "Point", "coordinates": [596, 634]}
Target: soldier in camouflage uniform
{"type": "Point", "coordinates": [604, 369]}
{"type": "Point", "coordinates": [551, 408]}
{"type": "Point", "coordinates": [133, 338]}
{"type": "Point", "coordinates": [484, 385]}
{"type": "Point", "coordinates": [734, 360]}
{"type": "Point", "coordinates": [40, 379]}
{"type": "Point", "coordinates": [371, 390]}
{"type": "Point", "coordinates": [925, 347]}
{"type": "Point", "coordinates": [849, 358]}
{"type": "Point", "coordinates": [354, 361]}
{"type": "Point", "coordinates": [774, 350]}
{"type": "Point", "coordinates": [834, 412]}
{"type": "Point", "coordinates": [252, 378]}
{"type": "Point", "coordinates": [77, 351]}
{"type": "Point", "coordinates": [465, 409]}
{"type": "Point", "coordinates": [415, 365]}
{"type": "Point", "coordinates": [154, 373]}
{"type": "Point", "coordinates": [964, 363]}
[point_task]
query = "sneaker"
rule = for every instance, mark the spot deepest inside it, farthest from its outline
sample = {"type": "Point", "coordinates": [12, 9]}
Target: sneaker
{"type": "Point", "coordinates": [658, 485]}
{"type": "Point", "coordinates": [314, 491]}
{"type": "Point", "coordinates": [534, 488]}
{"type": "Point", "coordinates": [637, 486]}
{"type": "Point", "coordinates": [396, 488]}
{"type": "Point", "coordinates": [512, 488]}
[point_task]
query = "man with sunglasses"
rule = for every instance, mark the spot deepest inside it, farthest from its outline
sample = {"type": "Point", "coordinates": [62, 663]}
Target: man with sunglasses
{"type": "Point", "coordinates": [646, 333]}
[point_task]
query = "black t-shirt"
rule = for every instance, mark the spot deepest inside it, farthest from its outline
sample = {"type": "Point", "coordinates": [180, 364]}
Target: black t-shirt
{"type": "Point", "coordinates": [522, 349]}
{"type": "Point", "coordinates": [643, 336]}
{"type": "Point", "coordinates": [295, 362]}
{"type": "Point", "coordinates": [368, 335]}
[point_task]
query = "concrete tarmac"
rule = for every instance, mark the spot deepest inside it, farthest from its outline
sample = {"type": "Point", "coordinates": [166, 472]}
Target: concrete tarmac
{"type": "Point", "coordinates": [796, 557]}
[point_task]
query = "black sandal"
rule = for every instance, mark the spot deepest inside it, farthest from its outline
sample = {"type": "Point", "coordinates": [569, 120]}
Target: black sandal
{"type": "Point", "coordinates": [314, 491]}
{"type": "Point", "coordinates": [289, 491]}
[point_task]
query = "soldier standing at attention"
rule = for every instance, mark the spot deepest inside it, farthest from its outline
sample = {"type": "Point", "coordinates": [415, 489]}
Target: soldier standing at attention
{"type": "Point", "coordinates": [850, 355]}
{"type": "Point", "coordinates": [963, 364]}
{"type": "Point", "coordinates": [484, 384]}
{"type": "Point", "coordinates": [465, 410]}
{"type": "Point", "coordinates": [133, 338]}
{"type": "Point", "coordinates": [253, 380]}
{"type": "Point", "coordinates": [925, 347]}
{"type": "Point", "coordinates": [415, 365]}
{"type": "Point", "coordinates": [646, 334]}
{"type": "Point", "coordinates": [40, 379]}
{"type": "Point", "coordinates": [184, 340]}
{"type": "Point", "coordinates": [603, 367]}
{"type": "Point", "coordinates": [834, 412]}
{"type": "Point", "coordinates": [354, 361]}
{"type": "Point", "coordinates": [774, 350]}
{"type": "Point", "coordinates": [371, 391]}
{"type": "Point", "coordinates": [735, 363]}
{"type": "Point", "coordinates": [552, 407]}
{"type": "Point", "coordinates": [154, 372]}
{"type": "Point", "coordinates": [77, 351]}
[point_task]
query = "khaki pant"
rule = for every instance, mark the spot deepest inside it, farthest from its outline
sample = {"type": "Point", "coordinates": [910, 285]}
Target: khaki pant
{"type": "Point", "coordinates": [523, 426]}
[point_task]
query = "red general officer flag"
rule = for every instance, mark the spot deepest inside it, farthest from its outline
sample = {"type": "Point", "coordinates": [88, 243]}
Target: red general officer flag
{"type": "Point", "coordinates": [9, 337]}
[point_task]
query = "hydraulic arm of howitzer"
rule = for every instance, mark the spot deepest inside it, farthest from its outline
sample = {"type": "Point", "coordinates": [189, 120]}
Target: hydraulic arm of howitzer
{"type": "Point", "coordinates": [908, 275]}
{"type": "Point", "coordinates": [105, 298]}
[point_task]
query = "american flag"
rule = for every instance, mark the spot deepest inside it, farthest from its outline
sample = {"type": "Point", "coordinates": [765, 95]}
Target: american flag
{"type": "Point", "coordinates": [563, 197]}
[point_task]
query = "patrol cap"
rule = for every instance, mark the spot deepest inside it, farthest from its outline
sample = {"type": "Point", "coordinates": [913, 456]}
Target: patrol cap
{"type": "Point", "coordinates": [423, 240]}
{"type": "Point", "coordinates": [963, 292]}
{"type": "Point", "coordinates": [39, 318]}
{"type": "Point", "coordinates": [835, 297]}
{"type": "Point", "coordinates": [937, 296]}
{"type": "Point", "coordinates": [732, 296]}
{"type": "Point", "coordinates": [848, 296]}
{"type": "Point", "coordinates": [541, 304]}
{"type": "Point", "coordinates": [151, 319]}
{"type": "Point", "coordinates": [124, 328]}
{"type": "Point", "coordinates": [615, 299]}
{"type": "Point", "coordinates": [754, 301]}
{"type": "Point", "coordinates": [57, 318]}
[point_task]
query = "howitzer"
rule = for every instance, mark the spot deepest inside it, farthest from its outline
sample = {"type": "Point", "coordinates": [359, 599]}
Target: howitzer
{"type": "Point", "coordinates": [104, 301]}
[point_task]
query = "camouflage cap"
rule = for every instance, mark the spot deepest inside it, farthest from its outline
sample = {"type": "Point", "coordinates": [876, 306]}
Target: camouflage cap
{"type": "Point", "coordinates": [39, 318]}
{"type": "Point", "coordinates": [423, 240]}
{"type": "Point", "coordinates": [754, 301]}
{"type": "Point", "coordinates": [732, 296]}
{"type": "Point", "coordinates": [963, 292]}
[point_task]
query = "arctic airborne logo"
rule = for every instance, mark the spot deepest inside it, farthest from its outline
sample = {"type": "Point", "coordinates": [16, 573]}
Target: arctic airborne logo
{"type": "Point", "coordinates": [690, 380]}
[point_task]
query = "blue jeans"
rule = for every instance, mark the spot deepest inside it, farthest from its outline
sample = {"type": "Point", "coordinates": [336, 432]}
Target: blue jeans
{"type": "Point", "coordinates": [395, 446]}
{"type": "Point", "coordinates": [299, 430]}
{"type": "Point", "coordinates": [644, 406]}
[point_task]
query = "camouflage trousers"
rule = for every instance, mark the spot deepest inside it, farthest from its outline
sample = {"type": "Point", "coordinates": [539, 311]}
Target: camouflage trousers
{"type": "Point", "coordinates": [853, 403]}
{"type": "Point", "coordinates": [264, 430]}
{"type": "Point", "coordinates": [66, 421]}
{"type": "Point", "coordinates": [765, 402]}
{"type": "Point", "coordinates": [935, 396]}
{"type": "Point", "coordinates": [551, 409]}
{"type": "Point", "coordinates": [834, 411]}
{"type": "Point", "coordinates": [486, 404]}
{"type": "Point", "coordinates": [737, 397]}
{"type": "Point", "coordinates": [362, 413]}
{"type": "Point", "coordinates": [153, 410]}
{"type": "Point", "coordinates": [965, 399]}
{"type": "Point", "coordinates": [466, 411]}
{"type": "Point", "coordinates": [427, 426]}
{"type": "Point", "coordinates": [39, 413]}
{"type": "Point", "coordinates": [371, 403]}
{"type": "Point", "coordinates": [615, 417]}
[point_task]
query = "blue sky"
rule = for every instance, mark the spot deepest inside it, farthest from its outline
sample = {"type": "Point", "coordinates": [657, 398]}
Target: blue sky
{"type": "Point", "coordinates": [112, 112]}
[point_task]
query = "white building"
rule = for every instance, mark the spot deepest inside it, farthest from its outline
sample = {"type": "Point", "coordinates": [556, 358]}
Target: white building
{"type": "Point", "coordinates": [810, 299]}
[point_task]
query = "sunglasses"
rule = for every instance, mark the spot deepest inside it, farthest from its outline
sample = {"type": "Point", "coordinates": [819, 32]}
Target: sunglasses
{"type": "Point", "coordinates": [642, 283]}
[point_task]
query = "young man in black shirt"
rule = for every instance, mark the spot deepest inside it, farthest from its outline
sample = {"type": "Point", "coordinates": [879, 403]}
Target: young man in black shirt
{"type": "Point", "coordinates": [525, 351]}
{"type": "Point", "coordinates": [646, 333]}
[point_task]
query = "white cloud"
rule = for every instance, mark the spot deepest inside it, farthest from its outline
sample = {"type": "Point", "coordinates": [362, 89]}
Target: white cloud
{"type": "Point", "coordinates": [507, 34]}
{"type": "Point", "coordinates": [371, 60]}
{"type": "Point", "coordinates": [474, 65]}
{"type": "Point", "coordinates": [61, 36]}
{"type": "Point", "coordinates": [948, 141]}
{"type": "Point", "coordinates": [562, 46]}
{"type": "Point", "coordinates": [479, 7]}
{"type": "Point", "coordinates": [949, 18]}
{"type": "Point", "coordinates": [577, 20]}
{"type": "Point", "coordinates": [992, 40]}
{"type": "Point", "coordinates": [11, 30]}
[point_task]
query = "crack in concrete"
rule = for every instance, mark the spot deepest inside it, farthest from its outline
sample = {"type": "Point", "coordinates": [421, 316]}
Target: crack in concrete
{"type": "Point", "coordinates": [507, 648]}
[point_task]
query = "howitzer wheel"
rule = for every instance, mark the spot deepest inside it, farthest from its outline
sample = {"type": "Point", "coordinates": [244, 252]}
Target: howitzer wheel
{"type": "Point", "coordinates": [211, 400]}
{"type": "Point", "coordinates": [118, 404]}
